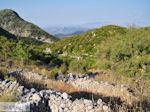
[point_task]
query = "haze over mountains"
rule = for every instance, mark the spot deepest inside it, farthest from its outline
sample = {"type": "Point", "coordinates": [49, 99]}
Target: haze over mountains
{"type": "Point", "coordinates": [65, 31]}
{"type": "Point", "coordinates": [13, 23]}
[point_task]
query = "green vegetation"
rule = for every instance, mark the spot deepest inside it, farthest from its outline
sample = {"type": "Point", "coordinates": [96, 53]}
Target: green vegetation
{"type": "Point", "coordinates": [77, 67]}
{"type": "Point", "coordinates": [113, 48]}
{"type": "Point", "coordinates": [19, 53]}
{"type": "Point", "coordinates": [127, 54]}
{"type": "Point", "coordinates": [84, 47]}
{"type": "Point", "coordinates": [86, 43]}
{"type": "Point", "coordinates": [63, 69]}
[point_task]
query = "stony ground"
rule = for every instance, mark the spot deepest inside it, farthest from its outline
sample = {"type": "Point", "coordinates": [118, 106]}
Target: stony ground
{"type": "Point", "coordinates": [53, 101]}
{"type": "Point", "coordinates": [84, 83]}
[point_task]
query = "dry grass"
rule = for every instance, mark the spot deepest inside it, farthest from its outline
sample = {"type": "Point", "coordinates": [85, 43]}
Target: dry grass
{"type": "Point", "coordinates": [40, 84]}
{"type": "Point", "coordinates": [60, 86]}
{"type": "Point", "coordinates": [112, 79]}
{"type": "Point", "coordinates": [8, 96]}
{"type": "Point", "coordinates": [37, 69]}
{"type": "Point", "coordinates": [138, 84]}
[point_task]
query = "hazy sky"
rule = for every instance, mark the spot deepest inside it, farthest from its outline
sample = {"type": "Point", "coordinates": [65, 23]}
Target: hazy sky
{"type": "Point", "coordinates": [74, 12]}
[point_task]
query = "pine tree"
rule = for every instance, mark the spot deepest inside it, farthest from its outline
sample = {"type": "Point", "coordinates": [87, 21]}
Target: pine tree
{"type": "Point", "coordinates": [21, 52]}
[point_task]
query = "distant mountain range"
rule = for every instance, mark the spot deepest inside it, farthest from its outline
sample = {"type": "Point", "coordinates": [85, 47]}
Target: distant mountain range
{"type": "Point", "coordinates": [61, 32]}
{"type": "Point", "coordinates": [14, 24]}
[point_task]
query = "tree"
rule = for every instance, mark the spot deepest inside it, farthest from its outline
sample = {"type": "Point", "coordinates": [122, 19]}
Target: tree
{"type": "Point", "coordinates": [21, 52]}
{"type": "Point", "coordinates": [5, 47]}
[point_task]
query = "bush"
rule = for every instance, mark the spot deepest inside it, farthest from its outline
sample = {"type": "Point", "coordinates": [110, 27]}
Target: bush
{"type": "Point", "coordinates": [63, 69]}
{"type": "Point", "coordinates": [77, 67]}
{"type": "Point", "coordinates": [53, 74]}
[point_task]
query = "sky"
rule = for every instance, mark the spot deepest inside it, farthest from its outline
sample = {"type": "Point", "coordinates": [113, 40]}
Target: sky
{"type": "Point", "coordinates": [45, 13]}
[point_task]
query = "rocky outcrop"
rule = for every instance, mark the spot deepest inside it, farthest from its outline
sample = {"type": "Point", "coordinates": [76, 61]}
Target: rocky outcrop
{"type": "Point", "coordinates": [50, 101]}
{"type": "Point", "coordinates": [13, 23]}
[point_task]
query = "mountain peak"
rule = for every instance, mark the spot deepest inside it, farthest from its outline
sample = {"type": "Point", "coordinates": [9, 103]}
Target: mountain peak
{"type": "Point", "coordinates": [9, 12]}
{"type": "Point", "coordinates": [13, 23]}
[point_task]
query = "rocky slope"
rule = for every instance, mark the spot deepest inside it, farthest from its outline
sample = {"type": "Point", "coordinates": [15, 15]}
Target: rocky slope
{"type": "Point", "coordinates": [5, 33]}
{"type": "Point", "coordinates": [13, 23]}
{"type": "Point", "coordinates": [26, 40]}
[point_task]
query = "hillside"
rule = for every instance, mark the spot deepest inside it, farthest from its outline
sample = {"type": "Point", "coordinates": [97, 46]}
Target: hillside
{"type": "Point", "coordinates": [13, 23]}
{"type": "Point", "coordinates": [86, 44]}
{"type": "Point", "coordinates": [112, 48]}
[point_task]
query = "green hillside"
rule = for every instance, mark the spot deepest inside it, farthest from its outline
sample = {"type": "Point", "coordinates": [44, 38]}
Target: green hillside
{"type": "Point", "coordinates": [113, 48]}
{"type": "Point", "coordinates": [87, 43]}
{"type": "Point", "coordinates": [127, 54]}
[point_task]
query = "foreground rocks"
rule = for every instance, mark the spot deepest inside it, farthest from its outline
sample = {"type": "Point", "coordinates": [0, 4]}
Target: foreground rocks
{"type": "Point", "coordinates": [50, 101]}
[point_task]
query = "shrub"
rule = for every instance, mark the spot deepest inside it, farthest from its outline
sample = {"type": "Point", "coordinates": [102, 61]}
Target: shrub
{"type": "Point", "coordinates": [63, 69]}
{"type": "Point", "coordinates": [53, 74]}
{"type": "Point", "coordinates": [77, 67]}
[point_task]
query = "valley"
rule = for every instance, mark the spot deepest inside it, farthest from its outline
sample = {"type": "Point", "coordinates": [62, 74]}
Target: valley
{"type": "Point", "coordinates": [106, 69]}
